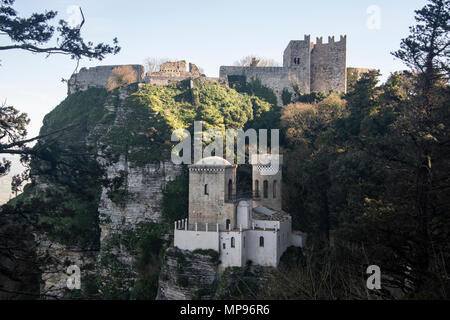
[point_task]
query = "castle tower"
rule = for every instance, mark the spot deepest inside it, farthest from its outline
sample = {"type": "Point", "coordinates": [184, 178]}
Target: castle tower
{"type": "Point", "coordinates": [297, 57]}
{"type": "Point", "coordinates": [329, 65]}
{"type": "Point", "coordinates": [266, 181]}
{"type": "Point", "coordinates": [212, 191]}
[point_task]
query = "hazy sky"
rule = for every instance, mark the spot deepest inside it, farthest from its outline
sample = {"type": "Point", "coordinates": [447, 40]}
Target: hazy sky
{"type": "Point", "coordinates": [207, 33]}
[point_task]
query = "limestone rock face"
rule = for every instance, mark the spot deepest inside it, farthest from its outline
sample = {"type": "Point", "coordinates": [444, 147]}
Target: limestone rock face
{"type": "Point", "coordinates": [54, 259]}
{"type": "Point", "coordinates": [143, 184]}
{"type": "Point", "coordinates": [188, 275]}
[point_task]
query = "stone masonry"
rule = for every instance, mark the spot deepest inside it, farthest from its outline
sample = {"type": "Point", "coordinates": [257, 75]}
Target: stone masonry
{"type": "Point", "coordinates": [319, 67]}
{"type": "Point", "coordinates": [312, 67]}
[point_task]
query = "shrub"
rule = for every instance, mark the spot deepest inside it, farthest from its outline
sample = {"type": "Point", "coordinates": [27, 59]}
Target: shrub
{"type": "Point", "coordinates": [121, 76]}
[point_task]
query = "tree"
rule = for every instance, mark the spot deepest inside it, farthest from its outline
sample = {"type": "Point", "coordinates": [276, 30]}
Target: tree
{"type": "Point", "coordinates": [424, 126]}
{"type": "Point", "coordinates": [255, 61]}
{"type": "Point", "coordinates": [121, 76]}
{"type": "Point", "coordinates": [154, 64]}
{"type": "Point", "coordinates": [36, 34]}
{"type": "Point", "coordinates": [426, 49]}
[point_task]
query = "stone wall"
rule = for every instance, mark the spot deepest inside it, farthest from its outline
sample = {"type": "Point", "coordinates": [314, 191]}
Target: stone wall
{"type": "Point", "coordinates": [97, 77]}
{"type": "Point", "coordinates": [275, 78]}
{"type": "Point", "coordinates": [312, 67]}
{"type": "Point", "coordinates": [210, 208]}
{"type": "Point", "coordinates": [358, 71]}
{"type": "Point", "coordinates": [328, 65]}
{"type": "Point", "coordinates": [172, 72]}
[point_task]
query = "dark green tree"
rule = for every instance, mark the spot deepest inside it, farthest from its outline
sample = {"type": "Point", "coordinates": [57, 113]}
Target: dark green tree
{"type": "Point", "coordinates": [37, 34]}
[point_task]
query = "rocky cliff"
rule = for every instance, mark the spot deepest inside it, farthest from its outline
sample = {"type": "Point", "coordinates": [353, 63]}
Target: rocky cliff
{"type": "Point", "coordinates": [188, 275]}
{"type": "Point", "coordinates": [97, 186]}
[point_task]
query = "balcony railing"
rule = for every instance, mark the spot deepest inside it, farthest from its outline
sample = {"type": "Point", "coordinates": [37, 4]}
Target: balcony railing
{"type": "Point", "coordinates": [242, 196]}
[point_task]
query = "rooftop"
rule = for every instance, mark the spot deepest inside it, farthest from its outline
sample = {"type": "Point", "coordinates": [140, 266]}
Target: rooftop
{"type": "Point", "coordinates": [213, 161]}
{"type": "Point", "coordinates": [264, 213]}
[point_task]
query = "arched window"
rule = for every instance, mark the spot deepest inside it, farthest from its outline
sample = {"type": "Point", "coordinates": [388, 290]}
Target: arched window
{"type": "Point", "coordinates": [228, 224]}
{"type": "Point", "coordinates": [257, 188]}
{"type": "Point", "coordinates": [261, 241]}
{"type": "Point", "coordinates": [230, 189]}
{"type": "Point", "coordinates": [206, 189]}
{"type": "Point", "coordinates": [232, 242]}
{"type": "Point", "coordinates": [275, 189]}
{"type": "Point", "coordinates": [266, 188]}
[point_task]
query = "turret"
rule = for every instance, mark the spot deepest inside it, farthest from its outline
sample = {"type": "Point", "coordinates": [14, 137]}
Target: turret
{"type": "Point", "coordinates": [267, 180]}
{"type": "Point", "coordinates": [212, 190]}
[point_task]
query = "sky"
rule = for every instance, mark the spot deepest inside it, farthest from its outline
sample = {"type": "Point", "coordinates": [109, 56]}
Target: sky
{"type": "Point", "coordinates": [208, 33]}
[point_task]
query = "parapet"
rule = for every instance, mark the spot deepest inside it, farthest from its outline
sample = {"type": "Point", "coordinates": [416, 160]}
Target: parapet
{"type": "Point", "coordinates": [331, 40]}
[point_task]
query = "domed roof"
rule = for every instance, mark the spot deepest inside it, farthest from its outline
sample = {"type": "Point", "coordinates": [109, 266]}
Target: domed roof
{"type": "Point", "coordinates": [213, 162]}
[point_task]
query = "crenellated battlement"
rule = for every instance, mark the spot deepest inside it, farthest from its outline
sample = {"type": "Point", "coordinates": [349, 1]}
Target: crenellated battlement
{"type": "Point", "coordinates": [331, 40]}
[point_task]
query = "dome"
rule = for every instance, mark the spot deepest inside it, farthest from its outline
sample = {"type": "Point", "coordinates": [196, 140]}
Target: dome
{"type": "Point", "coordinates": [213, 162]}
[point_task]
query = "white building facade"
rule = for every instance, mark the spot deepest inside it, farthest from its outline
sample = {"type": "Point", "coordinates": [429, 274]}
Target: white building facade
{"type": "Point", "coordinates": [242, 228]}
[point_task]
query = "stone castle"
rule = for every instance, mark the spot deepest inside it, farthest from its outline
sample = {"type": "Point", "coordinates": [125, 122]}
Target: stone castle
{"type": "Point", "coordinates": [240, 227]}
{"type": "Point", "coordinates": [319, 67]}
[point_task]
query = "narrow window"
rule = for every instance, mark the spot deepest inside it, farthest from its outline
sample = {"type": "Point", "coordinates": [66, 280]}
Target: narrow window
{"type": "Point", "coordinates": [257, 188]}
{"type": "Point", "coordinates": [230, 189]}
{"type": "Point", "coordinates": [206, 189]}
{"type": "Point", "coordinates": [224, 246]}
{"type": "Point", "coordinates": [232, 242]}
{"type": "Point", "coordinates": [244, 242]}
{"type": "Point", "coordinates": [261, 241]}
{"type": "Point", "coordinates": [266, 189]}
{"type": "Point", "coordinates": [275, 189]}
{"type": "Point", "coordinates": [228, 224]}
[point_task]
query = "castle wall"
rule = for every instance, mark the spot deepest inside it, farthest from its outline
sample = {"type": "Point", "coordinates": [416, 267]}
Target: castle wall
{"type": "Point", "coordinates": [97, 77]}
{"type": "Point", "coordinates": [232, 256]}
{"type": "Point", "coordinates": [319, 67]}
{"type": "Point", "coordinates": [192, 240]}
{"type": "Point", "coordinates": [275, 78]}
{"type": "Point", "coordinates": [284, 237]}
{"type": "Point", "coordinates": [159, 80]}
{"type": "Point", "coordinates": [244, 214]}
{"type": "Point", "coordinates": [329, 66]}
{"type": "Point", "coordinates": [264, 256]}
{"type": "Point", "coordinates": [297, 57]}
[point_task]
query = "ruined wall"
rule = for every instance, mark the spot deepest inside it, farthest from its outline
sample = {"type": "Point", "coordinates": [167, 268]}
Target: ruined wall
{"type": "Point", "coordinates": [97, 77]}
{"type": "Point", "coordinates": [171, 72]}
{"type": "Point", "coordinates": [329, 66]}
